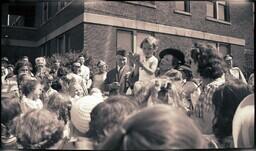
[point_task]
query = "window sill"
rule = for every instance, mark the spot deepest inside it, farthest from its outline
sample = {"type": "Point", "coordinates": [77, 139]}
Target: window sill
{"type": "Point", "coordinates": [141, 4]}
{"type": "Point", "coordinates": [182, 12]}
{"type": "Point", "coordinates": [218, 21]}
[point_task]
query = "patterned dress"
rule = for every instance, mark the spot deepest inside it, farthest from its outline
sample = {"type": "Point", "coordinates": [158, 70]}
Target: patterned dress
{"type": "Point", "coordinates": [203, 113]}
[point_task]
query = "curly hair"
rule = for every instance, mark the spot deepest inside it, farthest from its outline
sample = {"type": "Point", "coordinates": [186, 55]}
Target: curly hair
{"type": "Point", "coordinates": [210, 64]}
{"type": "Point", "coordinates": [108, 115]}
{"type": "Point", "coordinates": [226, 100]}
{"type": "Point", "coordinates": [38, 129]}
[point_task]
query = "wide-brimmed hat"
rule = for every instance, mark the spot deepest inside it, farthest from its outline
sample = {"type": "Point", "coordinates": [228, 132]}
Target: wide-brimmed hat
{"type": "Point", "coordinates": [174, 52]}
{"type": "Point", "coordinates": [81, 110]}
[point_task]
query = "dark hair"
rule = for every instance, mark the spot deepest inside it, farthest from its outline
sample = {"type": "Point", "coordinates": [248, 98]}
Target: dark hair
{"type": "Point", "coordinates": [158, 127]}
{"type": "Point", "coordinates": [210, 64]}
{"type": "Point", "coordinates": [38, 129]}
{"type": "Point", "coordinates": [10, 108]}
{"type": "Point", "coordinates": [108, 115]}
{"type": "Point", "coordinates": [29, 86]}
{"type": "Point", "coordinates": [226, 100]}
{"type": "Point", "coordinates": [20, 64]}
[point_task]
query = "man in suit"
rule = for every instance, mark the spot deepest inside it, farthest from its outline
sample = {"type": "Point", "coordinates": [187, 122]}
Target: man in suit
{"type": "Point", "coordinates": [117, 78]}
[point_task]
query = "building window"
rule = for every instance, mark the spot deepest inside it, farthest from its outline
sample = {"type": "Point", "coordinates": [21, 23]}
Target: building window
{"type": "Point", "coordinates": [182, 6]}
{"type": "Point", "coordinates": [62, 3]}
{"type": "Point", "coordinates": [218, 10]}
{"type": "Point", "coordinates": [61, 44]}
{"type": "Point", "coordinates": [125, 40]}
{"type": "Point", "coordinates": [45, 12]}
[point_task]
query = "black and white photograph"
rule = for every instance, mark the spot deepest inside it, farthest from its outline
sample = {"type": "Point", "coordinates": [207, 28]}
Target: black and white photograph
{"type": "Point", "coordinates": [127, 75]}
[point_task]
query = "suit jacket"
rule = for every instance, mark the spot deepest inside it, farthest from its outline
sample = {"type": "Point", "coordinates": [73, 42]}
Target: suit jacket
{"type": "Point", "coordinates": [117, 76]}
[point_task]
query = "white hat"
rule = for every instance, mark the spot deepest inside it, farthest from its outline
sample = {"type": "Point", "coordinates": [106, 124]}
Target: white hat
{"type": "Point", "coordinates": [80, 112]}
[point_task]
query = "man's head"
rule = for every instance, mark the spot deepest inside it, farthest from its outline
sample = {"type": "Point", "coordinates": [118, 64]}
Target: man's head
{"type": "Point", "coordinates": [81, 59]}
{"type": "Point", "coordinates": [40, 62]}
{"type": "Point", "coordinates": [76, 67]}
{"type": "Point", "coordinates": [25, 58]}
{"type": "Point", "coordinates": [56, 63]}
{"type": "Point", "coordinates": [229, 60]}
{"type": "Point", "coordinates": [121, 57]}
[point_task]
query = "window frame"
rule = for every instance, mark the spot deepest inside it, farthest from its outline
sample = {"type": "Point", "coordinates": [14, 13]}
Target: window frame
{"type": "Point", "coordinates": [215, 17]}
{"type": "Point", "coordinates": [187, 8]}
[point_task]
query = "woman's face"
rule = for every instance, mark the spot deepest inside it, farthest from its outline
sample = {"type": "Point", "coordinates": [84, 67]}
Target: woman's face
{"type": "Point", "coordinates": [166, 62]}
{"type": "Point", "coordinates": [38, 91]}
{"type": "Point", "coordinates": [23, 70]}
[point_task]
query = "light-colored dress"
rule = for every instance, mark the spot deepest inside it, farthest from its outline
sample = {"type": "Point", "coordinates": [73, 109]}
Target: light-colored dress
{"type": "Point", "coordinates": [149, 63]}
{"type": "Point", "coordinates": [237, 73]}
{"type": "Point", "coordinates": [28, 104]}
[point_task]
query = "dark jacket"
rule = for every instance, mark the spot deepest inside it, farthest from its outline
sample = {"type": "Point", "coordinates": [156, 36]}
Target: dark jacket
{"type": "Point", "coordinates": [114, 76]}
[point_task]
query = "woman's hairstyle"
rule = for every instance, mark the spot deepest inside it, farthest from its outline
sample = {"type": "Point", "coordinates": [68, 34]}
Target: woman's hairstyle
{"type": "Point", "coordinates": [10, 108]}
{"type": "Point", "coordinates": [108, 115]}
{"type": "Point", "coordinates": [158, 127]}
{"type": "Point", "coordinates": [226, 100]}
{"type": "Point", "coordinates": [210, 64]}
{"type": "Point", "coordinates": [150, 40]}
{"type": "Point", "coordinates": [29, 86]}
{"type": "Point", "coordinates": [21, 63]}
{"type": "Point", "coordinates": [38, 129]}
{"type": "Point", "coordinates": [59, 105]}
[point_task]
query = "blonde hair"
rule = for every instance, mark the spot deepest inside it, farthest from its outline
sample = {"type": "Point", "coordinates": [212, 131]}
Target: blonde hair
{"type": "Point", "coordinates": [150, 40]}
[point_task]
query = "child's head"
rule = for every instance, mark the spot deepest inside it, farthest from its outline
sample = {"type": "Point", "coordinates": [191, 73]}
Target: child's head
{"type": "Point", "coordinates": [38, 129]}
{"type": "Point", "coordinates": [149, 45]}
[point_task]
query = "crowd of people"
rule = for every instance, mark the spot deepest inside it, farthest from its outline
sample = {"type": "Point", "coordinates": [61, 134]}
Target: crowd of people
{"type": "Point", "coordinates": [144, 102]}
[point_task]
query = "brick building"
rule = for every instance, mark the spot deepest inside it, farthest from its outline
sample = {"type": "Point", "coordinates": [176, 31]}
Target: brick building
{"type": "Point", "coordinates": [100, 27]}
